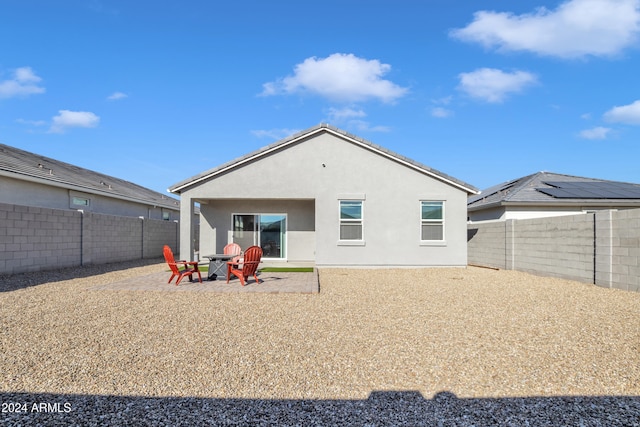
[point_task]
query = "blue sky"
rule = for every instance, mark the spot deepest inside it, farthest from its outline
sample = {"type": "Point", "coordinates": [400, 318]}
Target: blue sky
{"type": "Point", "coordinates": [157, 91]}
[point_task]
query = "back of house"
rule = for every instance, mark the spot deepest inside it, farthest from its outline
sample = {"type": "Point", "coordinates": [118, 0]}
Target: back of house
{"type": "Point", "coordinates": [326, 197]}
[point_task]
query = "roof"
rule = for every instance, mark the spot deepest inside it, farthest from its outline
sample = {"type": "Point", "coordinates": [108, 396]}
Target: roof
{"type": "Point", "coordinates": [547, 188]}
{"type": "Point", "coordinates": [322, 128]}
{"type": "Point", "coordinates": [20, 164]}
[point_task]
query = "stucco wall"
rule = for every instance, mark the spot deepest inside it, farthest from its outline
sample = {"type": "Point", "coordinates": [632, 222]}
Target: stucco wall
{"type": "Point", "coordinates": [27, 193]}
{"type": "Point", "coordinates": [529, 212]}
{"type": "Point", "coordinates": [325, 168]}
{"type": "Point", "coordinates": [35, 239]}
{"type": "Point", "coordinates": [216, 224]}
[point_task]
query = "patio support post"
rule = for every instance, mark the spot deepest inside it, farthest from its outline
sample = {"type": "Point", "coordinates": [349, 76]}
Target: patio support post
{"type": "Point", "coordinates": [187, 227]}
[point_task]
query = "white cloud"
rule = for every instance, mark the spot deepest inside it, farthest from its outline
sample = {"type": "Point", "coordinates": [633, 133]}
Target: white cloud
{"type": "Point", "coordinates": [341, 114]}
{"type": "Point", "coordinates": [31, 124]}
{"type": "Point", "coordinates": [575, 29]}
{"type": "Point", "coordinates": [70, 119]}
{"type": "Point", "coordinates": [350, 118]}
{"type": "Point", "coordinates": [443, 101]}
{"type": "Point", "coordinates": [364, 126]}
{"type": "Point", "coordinates": [275, 134]}
{"type": "Point", "coordinates": [629, 114]}
{"type": "Point", "coordinates": [339, 77]}
{"type": "Point", "coordinates": [595, 133]}
{"type": "Point", "coordinates": [24, 82]}
{"type": "Point", "coordinates": [494, 85]}
{"type": "Point", "coordinates": [441, 113]}
{"type": "Point", "coordinates": [117, 95]}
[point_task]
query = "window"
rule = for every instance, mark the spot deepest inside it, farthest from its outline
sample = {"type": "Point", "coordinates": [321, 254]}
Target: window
{"type": "Point", "coordinates": [350, 220]}
{"type": "Point", "coordinates": [80, 201]}
{"type": "Point", "coordinates": [432, 221]}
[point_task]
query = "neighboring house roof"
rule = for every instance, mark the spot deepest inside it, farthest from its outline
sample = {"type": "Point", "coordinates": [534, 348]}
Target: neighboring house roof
{"type": "Point", "coordinates": [546, 188]}
{"type": "Point", "coordinates": [23, 165]}
{"type": "Point", "coordinates": [322, 128]}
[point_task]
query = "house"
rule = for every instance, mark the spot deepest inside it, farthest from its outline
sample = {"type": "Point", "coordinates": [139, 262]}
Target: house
{"type": "Point", "coordinates": [546, 194]}
{"type": "Point", "coordinates": [329, 198]}
{"type": "Point", "coordinates": [30, 179]}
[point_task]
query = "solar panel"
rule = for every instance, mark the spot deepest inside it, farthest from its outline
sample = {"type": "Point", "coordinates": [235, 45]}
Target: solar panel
{"type": "Point", "coordinates": [492, 190]}
{"type": "Point", "coordinates": [591, 190]}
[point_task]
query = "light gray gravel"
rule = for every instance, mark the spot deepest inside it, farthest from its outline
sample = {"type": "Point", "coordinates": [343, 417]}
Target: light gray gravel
{"type": "Point", "coordinates": [375, 347]}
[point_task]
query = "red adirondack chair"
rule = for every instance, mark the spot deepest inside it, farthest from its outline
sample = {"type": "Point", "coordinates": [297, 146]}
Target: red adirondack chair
{"type": "Point", "coordinates": [233, 249]}
{"type": "Point", "coordinates": [246, 267]}
{"type": "Point", "coordinates": [189, 267]}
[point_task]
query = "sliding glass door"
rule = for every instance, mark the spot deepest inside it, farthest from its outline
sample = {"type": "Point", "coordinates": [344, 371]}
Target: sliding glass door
{"type": "Point", "coordinates": [265, 230]}
{"type": "Point", "coordinates": [244, 230]}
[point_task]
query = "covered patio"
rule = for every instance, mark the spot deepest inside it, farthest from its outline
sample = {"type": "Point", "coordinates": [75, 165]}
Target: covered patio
{"type": "Point", "coordinates": [284, 229]}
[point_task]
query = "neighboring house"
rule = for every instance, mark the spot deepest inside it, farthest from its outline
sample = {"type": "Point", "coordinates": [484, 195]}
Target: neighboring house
{"type": "Point", "coordinates": [546, 194]}
{"type": "Point", "coordinates": [33, 180]}
{"type": "Point", "coordinates": [330, 198]}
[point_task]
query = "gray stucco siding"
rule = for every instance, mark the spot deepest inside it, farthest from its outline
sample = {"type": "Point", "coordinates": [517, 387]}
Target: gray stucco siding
{"type": "Point", "coordinates": [28, 193]}
{"type": "Point", "coordinates": [324, 169]}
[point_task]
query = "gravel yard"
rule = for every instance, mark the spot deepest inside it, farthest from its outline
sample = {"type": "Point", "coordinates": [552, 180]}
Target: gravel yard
{"type": "Point", "coordinates": [460, 345]}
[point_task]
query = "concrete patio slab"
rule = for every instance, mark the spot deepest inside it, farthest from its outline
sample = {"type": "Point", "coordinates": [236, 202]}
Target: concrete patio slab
{"type": "Point", "coordinates": [270, 282]}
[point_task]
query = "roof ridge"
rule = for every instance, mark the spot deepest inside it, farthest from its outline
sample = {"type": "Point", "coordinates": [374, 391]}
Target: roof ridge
{"type": "Point", "coordinates": [526, 180]}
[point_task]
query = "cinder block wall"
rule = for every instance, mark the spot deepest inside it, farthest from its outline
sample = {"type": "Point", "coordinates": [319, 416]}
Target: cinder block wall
{"type": "Point", "coordinates": [32, 239]}
{"type": "Point", "coordinates": [601, 248]}
{"type": "Point", "coordinates": [115, 238]}
{"type": "Point", "coordinates": [486, 245]}
{"type": "Point", "coordinates": [625, 251]}
{"type": "Point", "coordinates": [37, 239]}
{"type": "Point", "coordinates": [559, 246]}
{"type": "Point", "coordinates": [156, 234]}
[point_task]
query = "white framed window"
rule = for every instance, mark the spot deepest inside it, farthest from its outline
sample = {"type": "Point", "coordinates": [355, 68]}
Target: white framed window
{"type": "Point", "coordinates": [431, 221]}
{"type": "Point", "coordinates": [80, 201]}
{"type": "Point", "coordinates": [351, 221]}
